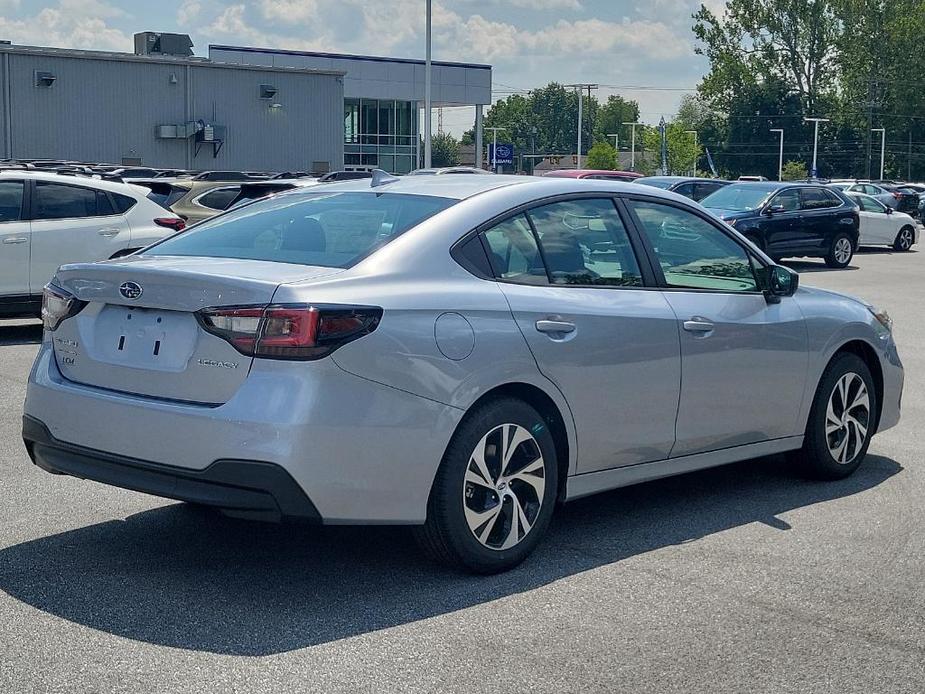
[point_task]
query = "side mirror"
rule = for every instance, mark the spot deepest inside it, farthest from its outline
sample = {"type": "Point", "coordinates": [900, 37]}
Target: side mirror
{"type": "Point", "coordinates": [889, 210]}
{"type": "Point", "coordinates": [773, 209]}
{"type": "Point", "coordinates": [779, 281]}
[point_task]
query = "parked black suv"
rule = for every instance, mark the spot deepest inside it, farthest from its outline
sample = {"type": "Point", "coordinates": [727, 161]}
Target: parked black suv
{"type": "Point", "coordinates": [791, 219]}
{"type": "Point", "coordinates": [694, 188]}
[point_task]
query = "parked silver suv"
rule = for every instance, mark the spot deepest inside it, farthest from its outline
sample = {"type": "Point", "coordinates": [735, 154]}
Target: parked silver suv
{"type": "Point", "coordinates": [458, 353]}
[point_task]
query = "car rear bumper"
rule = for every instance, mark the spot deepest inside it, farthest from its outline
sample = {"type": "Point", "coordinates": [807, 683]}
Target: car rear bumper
{"type": "Point", "coordinates": [360, 451]}
{"type": "Point", "coordinates": [244, 487]}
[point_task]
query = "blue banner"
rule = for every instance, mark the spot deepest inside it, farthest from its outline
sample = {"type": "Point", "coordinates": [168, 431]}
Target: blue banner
{"type": "Point", "coordinates": [505, 154]}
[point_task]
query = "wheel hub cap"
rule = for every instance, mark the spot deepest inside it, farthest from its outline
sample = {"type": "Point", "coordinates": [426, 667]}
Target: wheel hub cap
{"type": "Point", "coordinates": [847, 418]}
{"type": "Point", "coordinates": [504, 486]}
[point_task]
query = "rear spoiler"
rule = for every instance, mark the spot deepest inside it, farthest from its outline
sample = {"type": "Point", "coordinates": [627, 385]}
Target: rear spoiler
{"type": "Point", "coordinates": [255, 191]}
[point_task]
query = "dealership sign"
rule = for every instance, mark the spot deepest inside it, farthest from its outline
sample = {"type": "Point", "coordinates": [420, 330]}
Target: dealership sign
{"type": "Point", "coordinates": [504, 152]}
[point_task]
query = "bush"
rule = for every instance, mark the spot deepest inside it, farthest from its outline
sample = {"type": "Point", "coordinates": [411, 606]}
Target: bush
{"type": "Point", "coordinates": [794, 171]}
{"type": "Point", "coordinates": [444, 150]}
{"type": "Point", "coordinates": [601, 156]}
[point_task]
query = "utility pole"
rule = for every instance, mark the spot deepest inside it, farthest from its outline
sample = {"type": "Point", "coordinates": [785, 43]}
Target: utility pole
{"type": "Point", "coordinates": [579, 89]}
{"type": "Point", "coordinates": [428, 105]}
{"type": "Point", "coordinates": [694, 169]}
{"type": "Point", "coordinates": [909, 171]}
{"type": "Point", "coordinates": [815, 121]}
{"type": "Point", "coordinates": [882, 132]}
{"type": "Point", "coordinates": [494, 148]}
{"type": "Point", "coordinates": [780, 158]}
{"type": "Point", "coordinates": [633, 146]}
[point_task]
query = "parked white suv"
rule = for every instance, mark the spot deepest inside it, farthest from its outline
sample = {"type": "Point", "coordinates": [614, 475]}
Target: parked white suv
{"type": "Point", "coordinates": [48, 219]}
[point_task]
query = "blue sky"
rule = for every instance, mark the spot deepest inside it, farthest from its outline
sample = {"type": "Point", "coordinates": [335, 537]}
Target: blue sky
{"type": "Point", "coordinates": [622, 43]}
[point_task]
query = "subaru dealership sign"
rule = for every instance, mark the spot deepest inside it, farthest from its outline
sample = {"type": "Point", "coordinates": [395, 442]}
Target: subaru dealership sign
{"type": "Point", "coordinates": [505, 154]}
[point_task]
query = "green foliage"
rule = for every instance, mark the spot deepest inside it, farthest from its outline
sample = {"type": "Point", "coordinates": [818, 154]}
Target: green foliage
{"type": "Point", "coordinates": [794, 171]}
{"type": "Point", "coordinates": [601, 156]}
{"type": "Point", "coordinates": [682, 152]}
{"type": "Point", "coordinates": [612, 115]}
{"type": "Point", "coordinates": [444, 150]}
{"type": "Point", "coordinates": [772, 63]}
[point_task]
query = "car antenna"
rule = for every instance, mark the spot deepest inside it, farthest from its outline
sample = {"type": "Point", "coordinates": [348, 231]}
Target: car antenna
{"type": "Point", "coordinates": [380, 178]}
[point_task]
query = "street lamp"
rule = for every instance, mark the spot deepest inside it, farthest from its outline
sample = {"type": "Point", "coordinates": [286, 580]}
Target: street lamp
{"type": "Point", "coordinates": [780, 158]}
{"type": "Point", "coordinates": [816, 121]}
{"type": "Point", "coordinates": [882, 132]}
{"type": "Point", "coordinates": [694, 133]}
{"type": "Point", "coordinates": [494, 148]}
{"type": "Point", "coordinates": [427, 100]}
{"type": "Point", "coordinates": [633, 146]}
{"type": "Point", "coordinates": [616, 145]}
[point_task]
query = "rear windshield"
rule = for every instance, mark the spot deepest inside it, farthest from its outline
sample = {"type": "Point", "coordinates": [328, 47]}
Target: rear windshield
{"type": "Point", "coordinates": [664, 183]}
{"type": "Point", "coordinates": [739, 197]}
{"type": "Point", "coordinates": [330, 230]}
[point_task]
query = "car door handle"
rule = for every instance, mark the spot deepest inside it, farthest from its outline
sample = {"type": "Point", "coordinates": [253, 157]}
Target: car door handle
{"type": "Point", "coordinates": [15, 239]}
{"type": "Point", "coordinates": [698, 325]}
{"type": "Point", "coordinates": [555, 326]}
{"type": "Point", "coordinates": [109, 232]}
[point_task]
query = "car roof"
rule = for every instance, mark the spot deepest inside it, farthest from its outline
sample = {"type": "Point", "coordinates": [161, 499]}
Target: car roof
{"type": "Point", "coordinates": [579, 173]}
{"type": "Point", "coordinates": [88, 181]}
{"type": "Point", "coordinates": [682, 178]}
{"type": "Point", "coordinates": [463, 187]}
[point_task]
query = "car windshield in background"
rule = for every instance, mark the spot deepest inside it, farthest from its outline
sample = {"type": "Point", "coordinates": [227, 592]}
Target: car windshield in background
{"type": "Point", "coordinates": [330, 230]}
{"type": "Point", "coordinates": [738, 197]}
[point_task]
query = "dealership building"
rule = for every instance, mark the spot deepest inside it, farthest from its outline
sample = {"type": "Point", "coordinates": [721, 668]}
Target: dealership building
{"type": "Point", "coordinates": [241, 108]}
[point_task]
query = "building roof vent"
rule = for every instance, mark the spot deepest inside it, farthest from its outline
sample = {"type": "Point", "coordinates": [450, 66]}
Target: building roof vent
{"type": "Point", "coordinates": [159, 43]}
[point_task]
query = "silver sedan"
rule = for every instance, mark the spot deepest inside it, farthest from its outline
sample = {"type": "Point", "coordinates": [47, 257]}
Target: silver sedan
{"type": "Point", "coordinates": [457, 353]}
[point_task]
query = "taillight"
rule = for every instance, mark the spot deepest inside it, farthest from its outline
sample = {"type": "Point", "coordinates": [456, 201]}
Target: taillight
{"type": "Point", "coordinates": [174, 223]}
{"type": "Point", "coordinates": [58, 305]}
{"type": "Point", "coordinates": [289, 332]}
{"type": "Point", "coordinates": [898, 196]}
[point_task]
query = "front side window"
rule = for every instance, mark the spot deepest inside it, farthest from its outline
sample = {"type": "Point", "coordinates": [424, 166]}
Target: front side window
{"type": "Point", "coordinates": [693, 253]}
{"type": "Point", "coordinates": [58, 201]}
{"type": "Point", "coordinates": [787, 200]}
{"type": "Point", "coordinates": [585, 242]}
{"type": "Point", "coordinates": [322, 229]}
{"type": "Point", "coordinates": [870, 204]}
{"type": "Point", "coordinates": [10, 201]}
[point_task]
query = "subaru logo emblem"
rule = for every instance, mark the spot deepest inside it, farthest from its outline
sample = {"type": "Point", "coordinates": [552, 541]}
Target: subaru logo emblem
{"type": "Point", "coordinates": [130, 290]}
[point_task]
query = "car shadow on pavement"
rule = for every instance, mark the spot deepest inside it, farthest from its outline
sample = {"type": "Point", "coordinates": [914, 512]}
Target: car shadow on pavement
{"type": "Point", "coordinates": [20, 334]}
{"type": "Point", "coordinates": [805, 266]}
{"type": "Point", "coordinates": [188, 578]}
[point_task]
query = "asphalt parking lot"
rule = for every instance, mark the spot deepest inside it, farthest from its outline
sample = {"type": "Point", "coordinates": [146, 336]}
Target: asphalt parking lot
{"type": "Point", "coordinates": [743, 578]}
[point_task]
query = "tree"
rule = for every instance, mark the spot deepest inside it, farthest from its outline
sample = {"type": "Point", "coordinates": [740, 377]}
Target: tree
{"type": "Point", "coordinates": [602, 156]}
{"type": "Point", "coordinates": [611, 116]}
{"type": "Point", "coordinates": [444, 150]}
{"type": "Point", "coordinates": [794, 171]}
{"type": "Point", "coordinates": [682, 152]}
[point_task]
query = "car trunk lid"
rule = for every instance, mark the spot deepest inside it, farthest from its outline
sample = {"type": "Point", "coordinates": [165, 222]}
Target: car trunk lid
{"type": "Point", "coordinates": [139, 333]}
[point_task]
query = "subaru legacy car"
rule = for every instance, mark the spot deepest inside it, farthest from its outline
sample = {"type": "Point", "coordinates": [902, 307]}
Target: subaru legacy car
{"type": "Point", "coordinates": [456, 353]}
{"type": "Point", "coordinates": [791, 219]}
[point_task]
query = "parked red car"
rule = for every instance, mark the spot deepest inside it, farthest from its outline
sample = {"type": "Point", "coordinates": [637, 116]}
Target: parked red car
{"type": "Point", "coordinates": [599, 174]}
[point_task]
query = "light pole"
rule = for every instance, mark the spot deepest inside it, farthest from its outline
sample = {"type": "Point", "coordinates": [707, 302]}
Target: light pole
{"type": "Point", "coordinates": [427, 100]}
{"type": "Point", "coordinates": [494, 148]}
{"type": "Point", "coordinates": [633, 146]}
{"type": "Point", "coordinates": [882, 132]}
{"type": "Point", "coordinates": [579, 88]}
{"type": "Point", "coordinates": [815, 121]}
{"type": "Point", "coordinates": [616, 146]}
{"type": "Point", "coordinates": [694, 133]}
{"type": "Point", "coordinates": [780, 158]}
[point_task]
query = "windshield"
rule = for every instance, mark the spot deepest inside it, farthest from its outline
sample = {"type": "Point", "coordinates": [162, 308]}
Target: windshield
{"type": "Point", "coordinates": [738, 197]}
{"type": "Point", "coordinates": [329, 230]}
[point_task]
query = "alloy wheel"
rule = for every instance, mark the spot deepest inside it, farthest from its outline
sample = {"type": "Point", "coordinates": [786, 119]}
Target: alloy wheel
{"type": "Point", "coordinates": [842, 250]}
{"type": "Point", "coordinates": [847, 418]}
{"type": "Point", "coordinates": [504, 486]}
{"type": "Point", "coordinates": [905, 239]}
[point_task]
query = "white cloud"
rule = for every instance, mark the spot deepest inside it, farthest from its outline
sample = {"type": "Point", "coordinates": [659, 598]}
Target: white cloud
{"type": "Point", "coordinates": [69, 24]}
{"type": "Point", "coordinates": [289, 11]}
{"type": "Point", "coordinates": [188, 12]}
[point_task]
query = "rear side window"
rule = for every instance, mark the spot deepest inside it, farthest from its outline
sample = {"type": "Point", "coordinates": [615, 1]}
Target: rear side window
{"type": "Point", "coordinates": [58, 201]}
{"type": "Point", "coordinates": [819, 198]}
{"type": "Point", "coordinates": [585, 242]}
{"type": "Point", "coordinates": [123, 202]}
{"type": "Point", "coordinates": [219, 199]}
{"type": "Point", "coordinates": [329, 230]}
{"type": "Point", "coordinates": [10, 201]}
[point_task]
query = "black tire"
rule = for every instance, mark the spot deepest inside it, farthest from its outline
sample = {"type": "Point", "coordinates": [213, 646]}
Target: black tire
{"type": "Point", "coordinates": [816, 458]}
{"type": "Point", "coordinates": [838, 255]}
{"type": "Point", "coordinates": [904, 239]}
{"type": "Point", "coordinates": [446, 536]}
